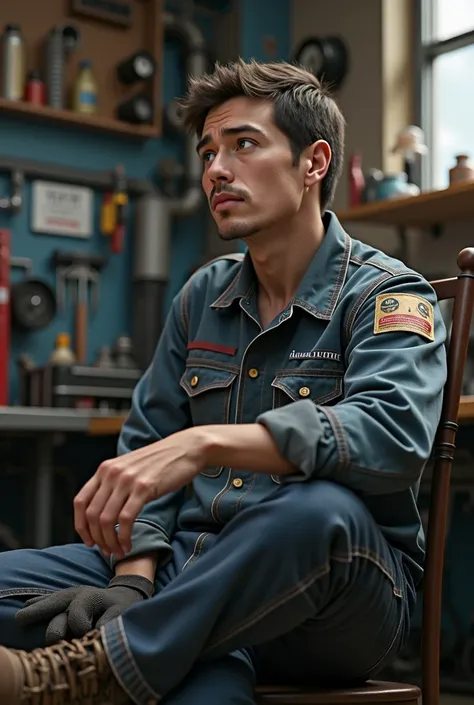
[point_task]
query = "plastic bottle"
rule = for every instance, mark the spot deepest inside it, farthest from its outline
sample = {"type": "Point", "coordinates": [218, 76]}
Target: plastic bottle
{"type": "Point", "coordinates": [62, 354]}
{"type": "Point", "coordinates": [13, 63]}
{"type": "Point", "coordinates": [356, 180]}
{"type": "Point", "coordinates": [85, 90]}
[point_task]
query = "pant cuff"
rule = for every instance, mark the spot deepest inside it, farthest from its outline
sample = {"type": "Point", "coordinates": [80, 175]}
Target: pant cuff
{"type": "Point", "coordinates": [123, 664]}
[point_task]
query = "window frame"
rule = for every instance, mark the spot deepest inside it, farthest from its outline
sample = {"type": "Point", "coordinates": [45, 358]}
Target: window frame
{"type": "Point", "coordinates": [427, 49]}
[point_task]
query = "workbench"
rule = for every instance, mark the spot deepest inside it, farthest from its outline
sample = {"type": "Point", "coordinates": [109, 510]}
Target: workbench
{"type": "Point", "coordinates": [42, 425]}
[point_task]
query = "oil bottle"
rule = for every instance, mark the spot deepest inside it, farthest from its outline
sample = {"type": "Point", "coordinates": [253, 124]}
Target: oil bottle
{"type": "Point", "coordinates": [85, 90]}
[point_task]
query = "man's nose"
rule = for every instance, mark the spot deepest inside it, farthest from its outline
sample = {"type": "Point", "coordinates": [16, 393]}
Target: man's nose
{"type": "Point", "coordinates": [219, 170]}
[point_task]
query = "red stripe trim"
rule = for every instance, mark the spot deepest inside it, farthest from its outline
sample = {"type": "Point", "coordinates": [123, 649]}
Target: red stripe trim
{"type": "Point", "coordinates": [212, 347]}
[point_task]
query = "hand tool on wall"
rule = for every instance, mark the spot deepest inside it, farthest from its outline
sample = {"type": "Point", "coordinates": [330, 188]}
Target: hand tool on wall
{"type": "Point", "coordinates": [14, 202]}
{"type": "Point", "coordinates": [120, 199]}
{"type": "Point", "coordinates": [4, 314]}
{"type": "Point", "coordinates": [81, 268]}
{"type": "Point", "coordinates": [113, 212]}
{"type": "Point", "coordinates": [33, 301]}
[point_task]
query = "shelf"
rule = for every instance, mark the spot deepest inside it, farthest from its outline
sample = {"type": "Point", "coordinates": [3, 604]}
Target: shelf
{"type": "Point", "coordinates": [428, 209]}
{"type": "Point", "coordinates": [466, 409]}
{"type": "Point", "coordinates": [96, 123]}
{"type": "Point", "coordinates": [111, 425]}
{"type": "Point", "coordinates": [107, 426]}
{"type": "Point", "coordinates": [43, 419]}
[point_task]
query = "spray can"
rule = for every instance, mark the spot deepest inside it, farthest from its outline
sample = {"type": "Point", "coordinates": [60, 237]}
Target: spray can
{"type": "Point", "coordinates": [13, 63]}
{"type": "Point", "coordinates": [35, 89]}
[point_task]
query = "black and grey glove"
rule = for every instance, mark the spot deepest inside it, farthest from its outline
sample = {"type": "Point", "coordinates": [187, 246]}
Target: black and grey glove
{"type": "Point", "coordinates": [73, 612]}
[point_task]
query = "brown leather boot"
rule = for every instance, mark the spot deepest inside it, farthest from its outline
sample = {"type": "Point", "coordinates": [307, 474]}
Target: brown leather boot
{"type": "Point", "coordinates": [68, 673]}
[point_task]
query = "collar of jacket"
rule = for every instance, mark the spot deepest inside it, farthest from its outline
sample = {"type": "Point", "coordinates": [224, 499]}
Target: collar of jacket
{"type": "Point", "coordinates": [320, 287]}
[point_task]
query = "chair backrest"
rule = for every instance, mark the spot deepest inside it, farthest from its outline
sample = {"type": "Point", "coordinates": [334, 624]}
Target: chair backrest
{"type": "Point", "coordinates": [461, 290]}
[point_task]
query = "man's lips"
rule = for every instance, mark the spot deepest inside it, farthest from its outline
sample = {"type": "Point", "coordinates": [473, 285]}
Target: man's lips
{"type": "Point", "coordinates": [224, 201]}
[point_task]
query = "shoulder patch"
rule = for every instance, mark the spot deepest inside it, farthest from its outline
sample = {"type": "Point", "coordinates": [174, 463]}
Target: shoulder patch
{"type": "Point", "coordinates": [404, 312]}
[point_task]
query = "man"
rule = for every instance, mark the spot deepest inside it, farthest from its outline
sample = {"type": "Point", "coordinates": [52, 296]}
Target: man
{"type": "Point", "coordinates": [260, 519]}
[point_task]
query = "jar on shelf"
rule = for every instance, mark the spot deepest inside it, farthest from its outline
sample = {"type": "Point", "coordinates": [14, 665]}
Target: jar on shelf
{"type": "Point", "coordinates": [395, 186]}
{"type": "Point", "coordinates": [462, 171]}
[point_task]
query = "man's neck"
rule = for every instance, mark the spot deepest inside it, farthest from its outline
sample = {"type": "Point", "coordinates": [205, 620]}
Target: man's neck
{"type": "Point", "coordinates": [280, 260]}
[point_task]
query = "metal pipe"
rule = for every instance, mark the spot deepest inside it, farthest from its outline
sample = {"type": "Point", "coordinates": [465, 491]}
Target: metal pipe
{"type": "Point", "coordinates": [196, 64]}
{"type": "Point", "coordinates": [102, 181]}
{"type": "Point", "coordinates": [154, 214]}
{"type": "Point", "coordinates": [150, 276]}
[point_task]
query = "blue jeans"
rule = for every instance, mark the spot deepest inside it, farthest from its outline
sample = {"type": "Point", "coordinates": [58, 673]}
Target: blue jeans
{"type": "Point", "coordinates": [300, 588]}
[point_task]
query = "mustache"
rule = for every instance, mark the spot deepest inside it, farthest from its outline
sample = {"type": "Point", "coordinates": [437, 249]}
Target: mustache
{"type": "Point", "coordinates": [238, 193]}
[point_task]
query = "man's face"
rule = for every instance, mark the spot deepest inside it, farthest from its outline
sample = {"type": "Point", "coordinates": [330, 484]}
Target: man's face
{"type": "Point", "coordinates": [249, 177]}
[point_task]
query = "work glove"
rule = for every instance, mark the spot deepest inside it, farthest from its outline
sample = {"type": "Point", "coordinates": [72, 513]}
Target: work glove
{"type": "Point", "coordinates": [73, 612]}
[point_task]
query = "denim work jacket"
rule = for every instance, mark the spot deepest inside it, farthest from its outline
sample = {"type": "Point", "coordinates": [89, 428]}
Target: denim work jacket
{"type": "Point", "coordinates": [348, 379]}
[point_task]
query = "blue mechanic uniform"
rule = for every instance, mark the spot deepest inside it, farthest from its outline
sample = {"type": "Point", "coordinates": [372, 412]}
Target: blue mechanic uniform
{"type": "Point", "coordinates": [310, 576]}
{"type": "Point", "coordinates": [348, 379]}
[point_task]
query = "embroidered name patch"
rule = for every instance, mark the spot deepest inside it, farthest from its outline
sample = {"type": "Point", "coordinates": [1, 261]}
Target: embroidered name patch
{"type": "Point", "coordinates": [315, 355]}
{"type": "Point", "coordinates": [403, 312]}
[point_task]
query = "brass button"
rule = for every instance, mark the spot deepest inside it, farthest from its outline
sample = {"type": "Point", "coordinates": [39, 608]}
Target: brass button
{"type": "Point", "coordinates": [194, 380]}
{"type": "Point", "coordinates": [253, 373]}
{"type": "Point", "coordinates": [238, 482]}
{"type": "Point", "coordinates": [304, 392]}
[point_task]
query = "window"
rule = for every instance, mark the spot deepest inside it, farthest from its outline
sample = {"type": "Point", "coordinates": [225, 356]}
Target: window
{"type": "Point", "coordinates": [447, 85]}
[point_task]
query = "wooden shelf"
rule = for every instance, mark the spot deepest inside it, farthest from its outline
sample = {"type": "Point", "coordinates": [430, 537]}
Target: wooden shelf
{"type": "Point", "coordinates": [107, 426]}
{"type": "Point", "coordinates": [102, 43]}
{"type": "Point", "coordinates": [427, 209]}
{"type": "Point", "coordinates": [44, 113]}
{"type": "Point", "coordinates": [466, 409]}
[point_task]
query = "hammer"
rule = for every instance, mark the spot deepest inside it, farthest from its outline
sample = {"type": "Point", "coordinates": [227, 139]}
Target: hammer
{"type": "Point", "coordinates": [82, 268]}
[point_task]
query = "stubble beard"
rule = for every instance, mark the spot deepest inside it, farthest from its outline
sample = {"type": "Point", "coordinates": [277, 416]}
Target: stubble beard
{"type": "Point", "coordinates": [238, 231]}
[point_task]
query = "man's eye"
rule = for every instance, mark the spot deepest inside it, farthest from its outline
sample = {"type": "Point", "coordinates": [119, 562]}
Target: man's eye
{"type": "Point", "coordinates": [207, 156]}
{"type": "Point", "coordinates": [244, 143]}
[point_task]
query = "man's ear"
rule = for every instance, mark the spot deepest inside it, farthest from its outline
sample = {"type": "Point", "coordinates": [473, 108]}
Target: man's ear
{"type": "Point", "coordinates": [317, 159]}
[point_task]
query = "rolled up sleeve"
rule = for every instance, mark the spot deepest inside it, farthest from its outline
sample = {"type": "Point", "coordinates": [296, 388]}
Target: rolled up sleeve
{"type": "Point", "coordinates": [377, 439]}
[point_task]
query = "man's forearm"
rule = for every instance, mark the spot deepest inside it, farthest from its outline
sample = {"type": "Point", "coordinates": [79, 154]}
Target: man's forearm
{"type": "Point", "coordinates": [242, 446]}
{"type": "Point", "coordinates": [144, 565]}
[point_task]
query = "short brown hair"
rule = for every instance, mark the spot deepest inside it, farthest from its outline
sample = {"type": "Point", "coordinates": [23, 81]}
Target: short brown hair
{"type": "Point", "coordinates": [304, 110]}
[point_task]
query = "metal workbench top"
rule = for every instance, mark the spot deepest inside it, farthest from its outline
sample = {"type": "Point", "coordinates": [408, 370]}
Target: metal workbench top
{"type": "Point", "coordinates": [34, 419]}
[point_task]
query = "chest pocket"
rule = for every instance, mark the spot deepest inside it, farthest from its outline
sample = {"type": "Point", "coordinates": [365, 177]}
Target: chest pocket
{"type": "Point", "coordinates": [209, 390]}
{"type": "Point", "coordinates": [320, 385]}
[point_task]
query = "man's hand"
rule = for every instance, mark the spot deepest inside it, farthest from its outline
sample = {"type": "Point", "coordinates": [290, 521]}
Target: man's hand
{"type": "Point", "coordinates": [73, 612]}
{"type": "Point", "coordinates": [122, 486]}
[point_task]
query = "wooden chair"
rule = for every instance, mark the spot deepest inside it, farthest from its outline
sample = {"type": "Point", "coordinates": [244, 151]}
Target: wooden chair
{"type": "Point", "coordinates": [461, 290]}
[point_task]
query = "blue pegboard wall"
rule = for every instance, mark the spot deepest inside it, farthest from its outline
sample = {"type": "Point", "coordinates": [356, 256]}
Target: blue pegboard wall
{"type": "Point", "coordinates": [70, 147]}
{"type": "Point", "coordinates": [89, 151]}
{"type": "Point", "coordinates": [66, 146]}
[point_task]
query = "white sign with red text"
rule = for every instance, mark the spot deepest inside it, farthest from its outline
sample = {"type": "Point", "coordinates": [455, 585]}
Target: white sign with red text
{"type": "Point", "coordinates": [60, 209]}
